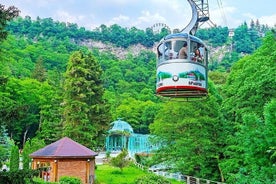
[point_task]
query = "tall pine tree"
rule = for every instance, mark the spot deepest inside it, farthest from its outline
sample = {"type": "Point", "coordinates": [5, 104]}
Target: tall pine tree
{"type": "Point", "coordinates": [85, 113]}
{"type": "Point", "coordinates": [39, 72]}
{"type": "Point", "coordinates": [14, 161]}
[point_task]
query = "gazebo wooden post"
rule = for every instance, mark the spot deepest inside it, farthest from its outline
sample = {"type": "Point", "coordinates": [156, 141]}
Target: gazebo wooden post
{"type": "Point", "coordinates": [33, 164]}
{"type": "Point", "coordinates": [55, 170]}
{"type": "Point", "coordinates": [87, 170]}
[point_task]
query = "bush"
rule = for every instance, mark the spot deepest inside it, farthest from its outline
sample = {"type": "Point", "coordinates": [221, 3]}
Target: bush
{"type": "Point", "coordinates": [121, 160]}
{"type": "Point", "coordinates": [69, 180]}
{"type": "Point", "coordinates": [152, 179]}
{"type": "Point", "coordinates": [18, 177]}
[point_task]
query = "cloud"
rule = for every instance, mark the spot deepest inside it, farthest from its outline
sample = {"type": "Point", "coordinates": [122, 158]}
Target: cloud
{"type": "Point", "coordinates": [67, 17]}
{"type": "Point", "coordinates": [249, 16]}
{"type": "Point", "coordinates": [224, 16]}
{"type": "Point", "coordinates": [120, 20]}
{"type": "Point", "coordinates": [268, 20]}
{"type": "Point", "coordinates": [148, 18]}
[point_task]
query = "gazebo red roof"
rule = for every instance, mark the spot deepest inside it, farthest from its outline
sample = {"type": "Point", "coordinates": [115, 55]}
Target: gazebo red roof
{"type": "Point", "coordinates": [64, 148]}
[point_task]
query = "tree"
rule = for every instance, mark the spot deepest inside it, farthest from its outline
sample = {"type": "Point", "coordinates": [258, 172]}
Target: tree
{"type": "Point", "coordinates": [14, 160]}
{"type": "Point", "coordinates": [248, 108]}
{"type": "Point", "coordinates": [248, 158]}
{"type": "Point", "coordinates": [246, 40]}
{"type": "Point", "coordinates": [120, 160]}
{"type": "Point", "coordinates": [30, 146]}
{"type": "Point", "coordinates": [190, 135]}
{"type": "Point", "coordinates": [85, 112]}
{"type": "Point", "coordinates": [5, 16]}
{"type": "Point", "coordinates": [217, 36]}
{"type": "Point", "coordinates": [5, 145]}
{"type": "Point", "coordinates": [39, 72]}
{"type": "Point", "coordinates": [251, 83]}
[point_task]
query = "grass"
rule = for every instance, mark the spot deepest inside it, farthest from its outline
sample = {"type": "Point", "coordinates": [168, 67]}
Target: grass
{"type": "Point", "coordinates": [106, 174]}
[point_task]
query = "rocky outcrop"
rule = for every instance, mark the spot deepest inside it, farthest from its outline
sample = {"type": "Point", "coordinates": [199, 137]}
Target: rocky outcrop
{"type": "Point", "coordinates": [119, 52]}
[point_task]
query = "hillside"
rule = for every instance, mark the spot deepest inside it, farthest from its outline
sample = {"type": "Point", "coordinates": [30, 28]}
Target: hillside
{"type": "Point", "coordinates": [120, 40]}
{"type": "Point", "coordinates": [61, 80]}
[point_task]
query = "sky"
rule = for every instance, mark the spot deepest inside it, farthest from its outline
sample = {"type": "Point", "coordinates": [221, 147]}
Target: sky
{"type": "Point", "coordinates": [145, 13]}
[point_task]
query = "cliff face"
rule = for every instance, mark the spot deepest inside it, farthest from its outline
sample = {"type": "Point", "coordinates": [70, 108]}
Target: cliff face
{"type": "Point", "coordinates": [119, 52]}
{"type": "Point", "coordinates": [216, 53]}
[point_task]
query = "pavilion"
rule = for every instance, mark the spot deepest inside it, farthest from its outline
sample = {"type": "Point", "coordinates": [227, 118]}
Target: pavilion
{"type": "Point", "coordinates": [121, 136]}
{"type": "Point", "coordinates": [65, 157]}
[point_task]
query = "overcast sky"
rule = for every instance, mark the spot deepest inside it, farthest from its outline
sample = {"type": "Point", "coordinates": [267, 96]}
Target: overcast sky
{"type": "Point", "coordinates": [144, 13]}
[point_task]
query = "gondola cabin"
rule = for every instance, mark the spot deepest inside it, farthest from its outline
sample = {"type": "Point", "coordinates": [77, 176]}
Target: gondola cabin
{"type": "Point", "coordinates": [182, 61]}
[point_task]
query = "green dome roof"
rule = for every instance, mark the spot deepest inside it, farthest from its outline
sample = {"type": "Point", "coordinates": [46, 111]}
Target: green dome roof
{"type": "Point", "coordinates": [120, 126]}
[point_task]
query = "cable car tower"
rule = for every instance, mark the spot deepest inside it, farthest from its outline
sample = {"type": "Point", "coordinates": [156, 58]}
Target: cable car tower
{"type": "Point", "coordinates": [182, 59]}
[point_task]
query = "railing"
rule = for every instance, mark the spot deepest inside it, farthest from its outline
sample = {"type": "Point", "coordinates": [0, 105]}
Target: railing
{"type": "Point", "coordinates": [178, 176]}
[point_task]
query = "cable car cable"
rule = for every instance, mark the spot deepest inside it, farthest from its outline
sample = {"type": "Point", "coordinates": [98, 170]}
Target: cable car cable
{"type": "Point", "coordinates": [222, 12]}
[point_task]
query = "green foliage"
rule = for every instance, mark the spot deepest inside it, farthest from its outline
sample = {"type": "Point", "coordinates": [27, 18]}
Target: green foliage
{"type": "Point", "coordinates": [18, 177]}
{"type": "Point", "coordinates": [106, 174]}
{"type": "Point", "coordinates": [246, 39]}
{"type": "Point", "coordinates": [115, 34]}
{"type": "Point", "coordinates": [22, 101]}
{"type": "Point", "coordinates": [5, 16]}
{"type": "Point", "coordinates": [238, 147]}
{"type": "Point", "coordinates": [38, 180]}
{"type": "Point", "coordinates": [30, 146]}
{"type": "Point", "coordinates": [85, 113]}
{"type": "Point", "coordinates": [120, 160]}
{"type": "Point", "coordinates": [217, 36]}
{"type": "Point", "coordinates": [51, 125]}
{"type": "Point", "coordinates": [242, 40]}
{"type": "Point", "coordinates": [5, 145]}
{"type": "Point", "coordinates": [69, 180]}
{"type": "Point", "coordinates": [249, 109]}
{"type": "Point", "coordinates": [152, 179]}
{"type": "Point", "coordinates": [190, 135]}
{"type": "Point", "coordinates": [228, 60]}
{"type": "Point", "coordinates": [248, 159]}
{"type": "Point", "coordinates": [139, 114]}
{"type": "Point", "coordinates": [145, 160]}
{"type": "Point", "coordinates": [39, 72]}
{"type": "Point", "coordinates": [252, 82]}
{"type": "Point", "coordinates": [14, 160]}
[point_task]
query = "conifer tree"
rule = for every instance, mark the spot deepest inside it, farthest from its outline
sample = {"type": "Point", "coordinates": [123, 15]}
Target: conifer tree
{"type": "Point", "coordinates": [30, 146]}
{"type": "Point", "coordinates": [85, 113]}
{"type": "Point", "coordinates": [14, 160]}
{"type": "Point", "coordinates": [4, 145]}
{"type": "Point", "coordinates": [39, 72]}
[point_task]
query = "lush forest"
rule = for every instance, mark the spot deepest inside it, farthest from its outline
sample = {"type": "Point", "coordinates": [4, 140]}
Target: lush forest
{"type": "Point", "coordinates": [52, 86]}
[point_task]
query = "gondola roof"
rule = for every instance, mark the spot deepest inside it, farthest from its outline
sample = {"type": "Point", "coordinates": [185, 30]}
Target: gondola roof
{"type": "Point", "coordinates": [184, 35]}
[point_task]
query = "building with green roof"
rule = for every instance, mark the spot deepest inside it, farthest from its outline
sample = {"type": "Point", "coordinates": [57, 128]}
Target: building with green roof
{"type": "Point", "coordinates": [121, 136]}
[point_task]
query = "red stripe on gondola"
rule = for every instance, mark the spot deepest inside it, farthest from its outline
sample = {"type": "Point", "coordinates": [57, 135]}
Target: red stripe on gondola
{"type": "Point", "coordinates": [179, 88]}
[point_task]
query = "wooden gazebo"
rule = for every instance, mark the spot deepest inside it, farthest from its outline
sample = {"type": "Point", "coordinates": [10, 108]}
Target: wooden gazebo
{"type": "Point", "coordinates": [65, 157]}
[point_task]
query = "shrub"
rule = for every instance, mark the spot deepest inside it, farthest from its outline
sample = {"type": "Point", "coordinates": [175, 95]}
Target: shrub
{"type": "Point", "coordinates": [18, 177]}
{"type": "Point", "coordinates": [152, 179]}
{"type": "Point", "coordinates": [121, 160]}
{"type": "Point", "coordinates": [69, 180]}
{"type": "Point", "coordinates": [37, 180]}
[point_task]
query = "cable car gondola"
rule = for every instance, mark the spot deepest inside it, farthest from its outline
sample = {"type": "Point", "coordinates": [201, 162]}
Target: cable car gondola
{"type": "Point", "coordinates": [182, 60]}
